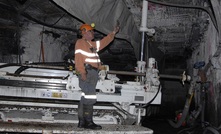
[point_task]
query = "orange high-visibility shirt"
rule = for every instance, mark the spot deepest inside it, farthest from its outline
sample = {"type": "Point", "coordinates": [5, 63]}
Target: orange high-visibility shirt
{"type": "Point", "coordinates": [83, 53]}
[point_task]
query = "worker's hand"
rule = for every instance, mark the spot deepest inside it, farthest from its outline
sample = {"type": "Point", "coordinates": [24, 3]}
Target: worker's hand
{"type": "Point", "coordinates": [103, 67]}
{"type": "Point", "coordinates": [116, 29]}
{"type": "Point", "coordinates": [83, 76]}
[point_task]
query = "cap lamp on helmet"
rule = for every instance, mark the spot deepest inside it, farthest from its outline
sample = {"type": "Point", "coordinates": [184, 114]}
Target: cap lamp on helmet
{"type": "Point", "coordinates": [86, 27]}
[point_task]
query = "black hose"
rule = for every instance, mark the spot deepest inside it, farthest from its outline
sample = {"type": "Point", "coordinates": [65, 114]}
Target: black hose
{"type": "Point", "coordinates": [185, 110]}
{"type": "Point", "coordinates": [9, 64]}
{"type": "Point", "coordinates": [211, 129]}
{"type": "Point", "coordinates": [26, 66]}
{"type": "Point", "coordinates": [152, 98]}
{"type": "Point", "coordinates": [21, 69]}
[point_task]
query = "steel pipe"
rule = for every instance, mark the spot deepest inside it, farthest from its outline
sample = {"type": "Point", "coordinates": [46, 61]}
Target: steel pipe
{"type": "Point", "coordinates": [165, 76]}
{"type": "Point", "coordinates": [126, 73]}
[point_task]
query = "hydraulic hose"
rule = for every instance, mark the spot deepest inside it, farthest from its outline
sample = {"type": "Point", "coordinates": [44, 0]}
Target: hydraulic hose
{"type": "Point", "coordinates": [9, 64]}
{"type": "Point", "coordinates": [211, 129]}
{"type": "Point", "coordinates": [153, 98]}
{"type": "Point", "coordinates": [47, 65]}
{"type": "Point", "coordinates": [186, 108]}
{"type": "Point", "coordinates": [122, 110]}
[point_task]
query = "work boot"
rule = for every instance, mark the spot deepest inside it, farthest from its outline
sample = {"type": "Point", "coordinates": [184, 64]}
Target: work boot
{"type": "Point", "coordinates": [92, 125]}
{"type": "Point", "coordinates": [88, 116]}
{"type": "Point", "coordinates": [81, 123]}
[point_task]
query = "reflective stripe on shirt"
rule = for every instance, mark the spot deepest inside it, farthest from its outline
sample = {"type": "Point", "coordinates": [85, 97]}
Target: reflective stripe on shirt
{"type": "Point", "coordinates": [92, 60]}
{"type": "Point", "coordinates": [86, 53]}
{"type": "Point", "coordinates": [98, 45]}
{"type": "Point", "coordinates": [89, 96]}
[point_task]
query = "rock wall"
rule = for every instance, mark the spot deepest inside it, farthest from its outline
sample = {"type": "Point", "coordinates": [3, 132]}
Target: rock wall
{"type": "Point", "coordinates": [55, 44]}
{"type": "Point", "coordinates": [205, 52]}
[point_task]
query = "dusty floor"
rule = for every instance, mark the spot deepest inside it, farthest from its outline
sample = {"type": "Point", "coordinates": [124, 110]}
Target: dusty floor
{"type": "Point", "coordinates": [155, 125]}
{"type": "Point", "coordinates": [52, 128]}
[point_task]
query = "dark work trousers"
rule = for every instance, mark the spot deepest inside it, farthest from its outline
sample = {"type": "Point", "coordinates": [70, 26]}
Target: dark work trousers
{"type": "Point", "coordinates": [88, 87]}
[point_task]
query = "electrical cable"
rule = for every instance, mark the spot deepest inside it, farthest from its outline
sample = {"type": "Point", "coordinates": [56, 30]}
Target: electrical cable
{"type": "Point", "coordinates": [58, 19]}
{"type": "Point", "coordinates": [206, 9]}
{"type": "Point", "coordinates": [11, 8]}
{"type": "Point", "coordinates": [48, 25]}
